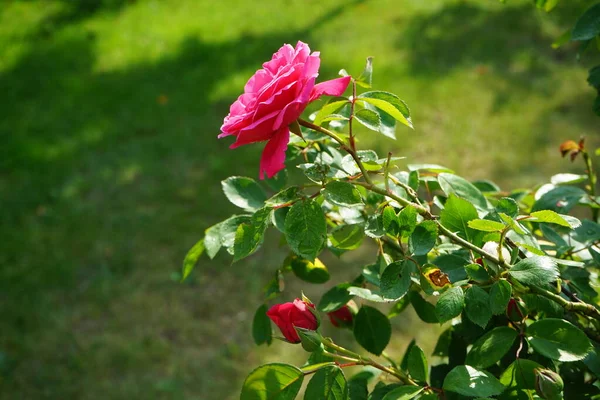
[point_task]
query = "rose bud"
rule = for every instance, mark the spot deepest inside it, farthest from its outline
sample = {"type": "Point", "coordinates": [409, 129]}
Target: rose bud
{"type": "Point", "coordinates": [287, 316]}
{"type": "Point", "coordinates": [513, 311]}
{"type": "Point", "coordinates": [273, 99]}
{"type": "Point", "coordinates": [548, 384]}
{"type": "Point", "coordinates": [342, 317]}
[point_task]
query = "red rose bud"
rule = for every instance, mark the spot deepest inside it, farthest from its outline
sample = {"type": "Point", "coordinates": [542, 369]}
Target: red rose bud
{"type": "Point", "coordinates": [513, 311]}
{"type": "Point", "coordinates": [479, 261]}
{"type": "Point", "coordinates": [342, 317]}
{"type": "Point", "coordinates": [289, 315]}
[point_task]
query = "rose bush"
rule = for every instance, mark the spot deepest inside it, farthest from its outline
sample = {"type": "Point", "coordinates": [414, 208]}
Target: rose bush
{"type": "Point", "coordinates": [273, 98]}
{"type": "Point", "coordinates": [511, 275]}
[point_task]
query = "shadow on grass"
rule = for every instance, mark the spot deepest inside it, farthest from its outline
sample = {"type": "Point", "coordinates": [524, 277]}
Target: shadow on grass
{"type": "Point", "coordinates": [107, 179]}
{"type": "Point", "coordinates": [510, 43]}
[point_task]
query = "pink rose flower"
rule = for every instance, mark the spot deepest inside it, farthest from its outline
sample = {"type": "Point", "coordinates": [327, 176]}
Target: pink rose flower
{"type": "Point", "coordinates": [273, 98]}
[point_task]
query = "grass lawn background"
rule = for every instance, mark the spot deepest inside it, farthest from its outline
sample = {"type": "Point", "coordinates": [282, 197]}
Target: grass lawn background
{"type": "Point", "coordinates": [110, 166]}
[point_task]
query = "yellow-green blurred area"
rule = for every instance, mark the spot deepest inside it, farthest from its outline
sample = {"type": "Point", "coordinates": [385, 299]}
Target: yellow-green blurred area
{"type": "Point", "coordinates": [110, 167]}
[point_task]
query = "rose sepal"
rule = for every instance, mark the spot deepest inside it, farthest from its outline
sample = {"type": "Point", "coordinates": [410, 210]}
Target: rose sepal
{"type": "Point", "coordinates": [311, 340]}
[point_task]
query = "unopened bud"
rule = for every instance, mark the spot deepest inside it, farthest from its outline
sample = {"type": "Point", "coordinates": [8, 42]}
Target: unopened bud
{"type": "Point", "coordinates": [513, 311]}
{"type": "Point", "coordinates": [548, 384]}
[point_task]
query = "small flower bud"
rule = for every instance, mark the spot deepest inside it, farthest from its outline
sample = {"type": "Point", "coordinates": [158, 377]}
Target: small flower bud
{"type": "Point", "coordinates": [548, 384]}
{"type": "Point", "coordinates": [343, 317]}
{"type": "Point", "coordinates": [513, 311]}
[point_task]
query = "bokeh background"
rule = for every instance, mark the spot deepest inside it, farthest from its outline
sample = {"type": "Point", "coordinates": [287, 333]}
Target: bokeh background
{"type": "Point", "coordinates": [110, 166]}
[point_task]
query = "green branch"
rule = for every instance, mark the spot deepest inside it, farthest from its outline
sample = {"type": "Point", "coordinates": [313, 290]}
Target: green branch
{"type": "Point", "coordinates": [580, 307]}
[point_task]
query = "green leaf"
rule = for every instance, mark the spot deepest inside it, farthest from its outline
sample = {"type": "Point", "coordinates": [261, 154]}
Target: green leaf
{"type": "Point", "coordinates": [365, 79]}
{"type": "Point", "coordinates": [453, 266]}
{"type": "Point", "coordinates": [223, 234]}
{"type": "Point", "coordinates": [477, 273]}
{"type": "Point", "coordinates": [407, 220]}
{"type": "Point", "coordinates": [249, 236]}
{"type": "Point", "coordinates": [395, 279]}
{"type": "Point", "coordinates": [486, 186]}
{"type": "Point", "coordinates": [390, 104]}
{"type": "Point", "coordinates": [588, 25]}
{"type": "Point", "coordinates": [358, 386]}
{"type": "Point", "coordinates": [381, 390]}
{"type": "Point", "coordinates": [535, 270]}
{"type": "Point", "coordinates": [594, 81]}
{"type": "Point", "coordinates": [520, 374]}
{"type": "Point", "coordinates": [329, 109]}
{"type": "Point", "coordinates": [434, 168]}
{"type": "Point", "coordinates": [486, 225]}
{"type": "Point", "coordinates": [372, 329]}
{"type": "Point", "coordinates": [424, 309]}
{"type": "Point", "coordinates": [477, 305]}
{"type": "Point", "coordinates": [398, 307]}
{"type": "Point", "coordinates": [368, 157]}
{"type": "Point", "coordinates": [327, 384]}
{"type": "Point", "coordinates": [368, 294]}
{"type": "Point", "coordinates": [456, 216]}
{"type": "Point", "coordinates": [454, 184]}
{"type": "Point", "coordinates": [306, 229]}
{"type": "Point", "coordinates": [405, 392]}
{"type": "Point", "coordinates": [347, 237]}
{"type": "Point", "coordinates": [507, 206]}
{"type": "Point", "coordinates": [558, 339]}
{"type": "Point", "coordinates": [417, 364]}
{"type": "Point", "coordinates": [500, 296]}
{"type": "Point", "coordinates": [261, 326]}
{"type": "Point", "coordinates": [471, 382]}
{"type": "Point", "coordinates": [423, 238]}
{"type": "Point", "coordinates": [273, 382]}
{"type": "Point", "coordinates": [514, 225]}
{"type": "Point", "coordinates": [547, 5]}
{"type": "Point", "coordinates": [561, 199]}
{"type": "Point", "coordinates": [390, 221]}
{"type": "Point", "coordinates": [491, 347]}
{"type": "Point", "coordinates": [450, 304]}
{"type": "Point", "coordinates": [312, 272]}
{"type": "Point", "coordinates": [342, 194]}
{"type": "Point", "coordinates": [244, 192]}
{"type": "Point", "coordinates": [369, 118]}
{"type": "Point", "coordinates": [335, 298]}
{"type": "Point", "coordinates": [552, 217]}
{"type": "Point", "coordinates": [285, 196]}
{"type": "Point", "coordinates": [191, 258]}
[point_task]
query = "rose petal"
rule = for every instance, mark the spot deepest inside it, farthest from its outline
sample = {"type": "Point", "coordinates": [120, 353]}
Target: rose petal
{"type": "Point", "coordinates": [258, 131]}
{"type": "Point", "coordinates": [334, 87]}
{"type": "Point", "coordinates": [273, 156]}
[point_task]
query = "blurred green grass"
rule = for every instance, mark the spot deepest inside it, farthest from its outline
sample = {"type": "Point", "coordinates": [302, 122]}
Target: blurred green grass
{"type": "Point", "coordinates": [110, 167]}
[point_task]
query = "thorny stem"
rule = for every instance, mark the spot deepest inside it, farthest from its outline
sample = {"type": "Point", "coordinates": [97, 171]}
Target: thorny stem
{"type": "Point", "coordinates": [352, 103]}
{"type": "Point", "coordinates": [353, 362]}
{"type": "Point", "coordinates": [579, 307]}
{"type": "Point", "coordinates": [344, 146]}
{"type": "Point", "coordinates": [592, 178]}
{"type": "Point", "coordinates": [386, 172]}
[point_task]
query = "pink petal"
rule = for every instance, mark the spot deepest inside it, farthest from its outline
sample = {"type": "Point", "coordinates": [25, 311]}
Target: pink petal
{"type": "Point", "coordinates": [273, 156]}
{"type": "Point", "coordinates": [334, 87]}
{"type": "Point", "coordinates": [257, 131]}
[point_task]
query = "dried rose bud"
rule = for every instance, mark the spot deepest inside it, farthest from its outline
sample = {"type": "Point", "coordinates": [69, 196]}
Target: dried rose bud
{"type": "Point", "coordinates": [570, 146]}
